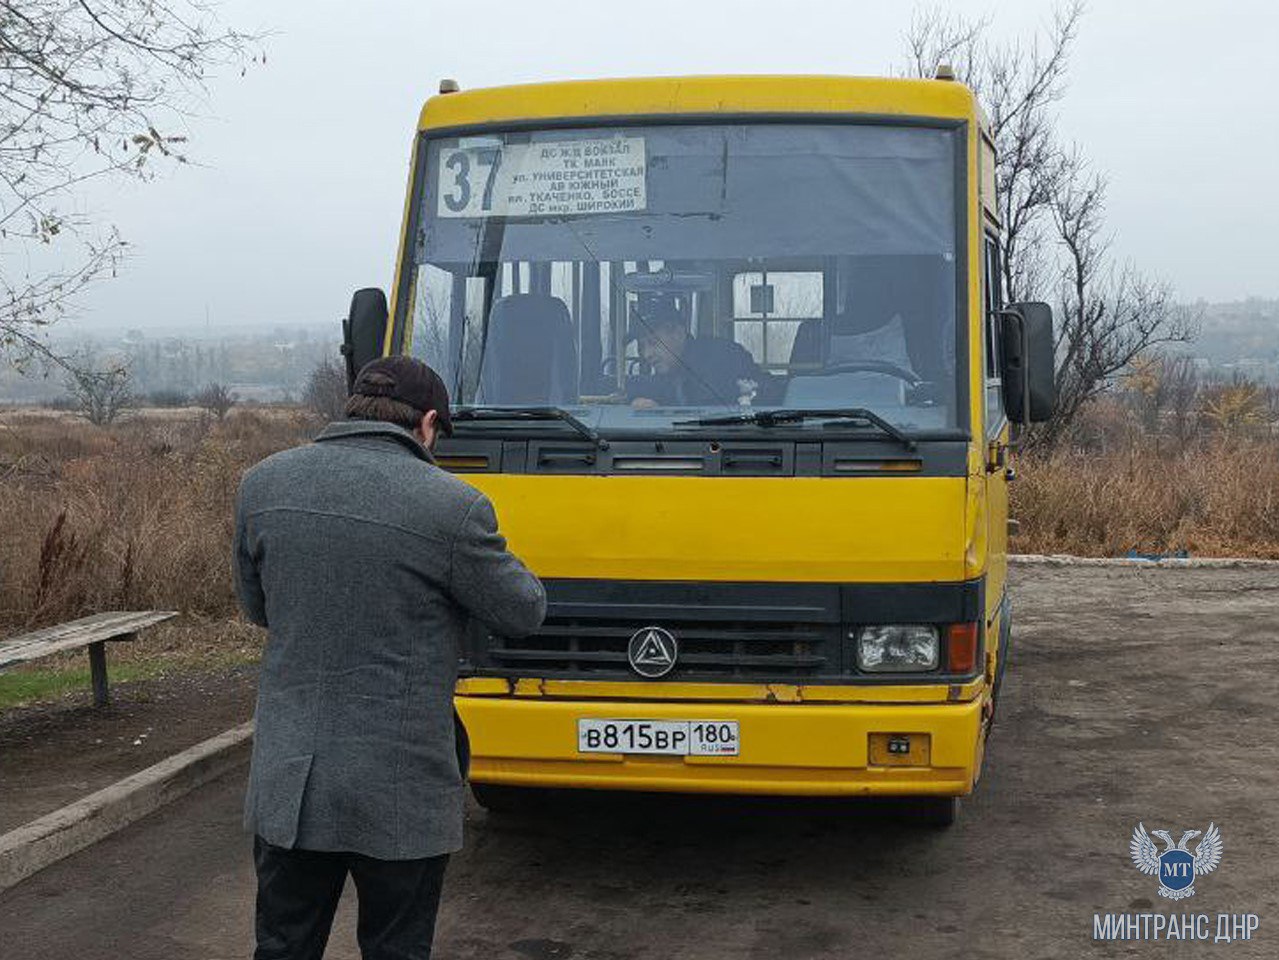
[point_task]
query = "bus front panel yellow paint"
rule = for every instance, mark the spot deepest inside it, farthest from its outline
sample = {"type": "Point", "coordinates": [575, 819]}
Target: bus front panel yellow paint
{"type": "Point", "coordinates": [801, 749]}
{"type": "Point", "coordinates": [793, 529]}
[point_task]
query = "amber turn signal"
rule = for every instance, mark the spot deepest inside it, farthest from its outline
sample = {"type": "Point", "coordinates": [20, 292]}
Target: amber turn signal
{"type": "Point", "coordinates": [961, 648]}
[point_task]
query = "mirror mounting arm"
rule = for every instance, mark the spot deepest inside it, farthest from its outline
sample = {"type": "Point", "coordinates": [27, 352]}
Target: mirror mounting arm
{"type": "Point", "coordinates": [1019, 323]}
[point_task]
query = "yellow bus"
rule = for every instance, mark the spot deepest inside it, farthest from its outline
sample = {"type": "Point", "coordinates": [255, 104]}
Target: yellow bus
{"type": "Point", "coordinates": [730, 357]}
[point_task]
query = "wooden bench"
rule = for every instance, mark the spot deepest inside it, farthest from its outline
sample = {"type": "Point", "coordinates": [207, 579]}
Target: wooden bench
{"type": "Point", "coordinates": [93, 632]}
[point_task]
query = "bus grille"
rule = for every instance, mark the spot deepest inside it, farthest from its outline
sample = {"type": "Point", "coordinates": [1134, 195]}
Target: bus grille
{"type": "Point", "coordinates": [707, 650]}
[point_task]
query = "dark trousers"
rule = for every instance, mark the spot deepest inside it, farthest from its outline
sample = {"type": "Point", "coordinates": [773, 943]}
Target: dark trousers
{"type": "Point", "coordinates": [298, 892]}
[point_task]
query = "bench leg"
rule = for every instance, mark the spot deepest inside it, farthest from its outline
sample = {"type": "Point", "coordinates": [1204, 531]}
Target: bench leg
{"type": "Point", "coordinates": [98, 670]}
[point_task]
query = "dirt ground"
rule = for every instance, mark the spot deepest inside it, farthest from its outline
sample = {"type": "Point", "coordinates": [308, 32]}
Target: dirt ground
{"type": "Point", "coordinates": [1132, 695]}
{"type": "Point", "coordinates": [52, 754]}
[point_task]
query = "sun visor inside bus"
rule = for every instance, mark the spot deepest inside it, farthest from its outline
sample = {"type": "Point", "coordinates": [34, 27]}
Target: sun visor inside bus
{"type": "Point", "coordinates": [733, 191]}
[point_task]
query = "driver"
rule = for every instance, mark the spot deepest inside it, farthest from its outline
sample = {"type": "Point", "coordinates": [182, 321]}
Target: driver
{"type": "Point", "coordinates": [688, 370]}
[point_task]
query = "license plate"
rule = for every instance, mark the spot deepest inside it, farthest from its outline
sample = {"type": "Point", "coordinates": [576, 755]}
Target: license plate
{"type": "Point", "coordinates": [675, 738]}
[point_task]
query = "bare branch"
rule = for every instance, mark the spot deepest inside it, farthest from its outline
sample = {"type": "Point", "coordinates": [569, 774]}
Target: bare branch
{"type": "Point", "coordinates": [1055, 245]}
{"type": "Point", "coordinates": [88, 89]}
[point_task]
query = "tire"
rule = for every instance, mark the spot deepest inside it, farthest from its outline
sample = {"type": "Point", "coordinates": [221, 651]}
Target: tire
{"type": "Point", "coordinates": [500, 798]}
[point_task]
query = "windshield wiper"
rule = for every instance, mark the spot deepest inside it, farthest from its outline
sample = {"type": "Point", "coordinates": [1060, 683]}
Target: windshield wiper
{"type": "Point", "coordinates": [773, 418]}
{"type": "Point", "coordinates": [530, 413]}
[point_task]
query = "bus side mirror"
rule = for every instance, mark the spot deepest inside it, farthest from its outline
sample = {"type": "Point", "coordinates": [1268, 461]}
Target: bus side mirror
{"type": "Point", "coordinates": [1028, 362]}
{"type": "Point", "coordinates": [363, 331]}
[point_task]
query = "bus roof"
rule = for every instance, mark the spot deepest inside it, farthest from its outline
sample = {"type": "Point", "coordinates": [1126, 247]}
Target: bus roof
{"type": "Point", "coordinates": [706, 95]}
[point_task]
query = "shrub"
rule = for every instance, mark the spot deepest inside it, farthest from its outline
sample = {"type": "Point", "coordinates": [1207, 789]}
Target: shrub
{"type": "Point", "coordinates": [100, 395]}
{"type": "Point", "coordinates": [216, 399]}
{"type": "Point", "coordinates": [325, 393]}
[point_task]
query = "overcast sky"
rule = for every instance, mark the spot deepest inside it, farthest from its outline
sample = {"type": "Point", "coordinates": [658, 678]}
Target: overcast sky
{"type": "Point", "coordinates": [299, 196]}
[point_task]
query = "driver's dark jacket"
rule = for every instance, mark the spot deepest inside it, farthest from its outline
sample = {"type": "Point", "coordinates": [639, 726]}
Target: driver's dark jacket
{"type": "Point", "coordinates": [710, 372]}
{"type": "Point", "coordinates": [366, 562]}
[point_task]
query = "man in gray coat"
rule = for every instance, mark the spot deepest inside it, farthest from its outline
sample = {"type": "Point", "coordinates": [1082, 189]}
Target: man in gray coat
{"type": "Point", "coordinates": [365, 561]}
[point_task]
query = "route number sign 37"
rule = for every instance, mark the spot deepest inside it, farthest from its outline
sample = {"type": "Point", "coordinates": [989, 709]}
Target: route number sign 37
{"type": "Point", "coordinates": [485, 177]}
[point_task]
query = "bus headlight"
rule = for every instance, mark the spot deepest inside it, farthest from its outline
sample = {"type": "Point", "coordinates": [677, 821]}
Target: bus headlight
{"type": "Point", "coordinates": [897, 647]}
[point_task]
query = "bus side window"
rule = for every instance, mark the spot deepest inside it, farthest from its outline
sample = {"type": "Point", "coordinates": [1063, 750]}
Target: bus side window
{"type": "Point", "coordinates": [994, 301]}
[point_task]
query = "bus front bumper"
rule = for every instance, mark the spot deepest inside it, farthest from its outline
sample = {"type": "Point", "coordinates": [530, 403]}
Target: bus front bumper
{"type": "Point", "coordinates": [785, 749]}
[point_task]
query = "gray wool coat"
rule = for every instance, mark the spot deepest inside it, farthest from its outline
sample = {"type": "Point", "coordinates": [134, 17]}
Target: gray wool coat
{"type": "Point", "coordinates": [365, 561]}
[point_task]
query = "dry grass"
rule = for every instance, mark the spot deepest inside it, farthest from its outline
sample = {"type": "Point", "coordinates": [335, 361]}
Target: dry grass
{"type": "Point", "coordinates": [133, 516]}
{"type": "Point", "coordinates": [1219, 497]}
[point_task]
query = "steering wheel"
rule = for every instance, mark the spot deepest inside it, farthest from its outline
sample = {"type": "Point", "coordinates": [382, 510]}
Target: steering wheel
{"type": "Point", "coordinates": [634, 366]}
{"type": "Point", "coordinates": [874, 366]}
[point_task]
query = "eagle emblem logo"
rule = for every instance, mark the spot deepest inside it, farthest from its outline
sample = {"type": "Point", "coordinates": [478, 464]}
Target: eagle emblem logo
{"type": "Point", "coordinates": [1176, 868]}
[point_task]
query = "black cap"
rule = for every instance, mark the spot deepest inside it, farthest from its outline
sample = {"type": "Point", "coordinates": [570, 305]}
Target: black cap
{"type": "Point", "coordinates": [652, 313]}
{"type": "Point", "coordinates": [408, 380]}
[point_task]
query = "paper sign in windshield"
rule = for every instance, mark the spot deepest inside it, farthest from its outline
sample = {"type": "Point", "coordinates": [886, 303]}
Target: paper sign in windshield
{"type": "Point", "coordinates": [566, 178]}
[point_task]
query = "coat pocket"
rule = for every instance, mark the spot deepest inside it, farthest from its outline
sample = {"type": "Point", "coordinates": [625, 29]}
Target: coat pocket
{"type": "Point", "coordinates": [277, 788]}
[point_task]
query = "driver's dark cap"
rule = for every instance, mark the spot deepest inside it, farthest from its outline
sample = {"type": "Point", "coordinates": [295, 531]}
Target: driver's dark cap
{"type": "Point", "coordinates": [407, 380]}
{"type": "Point", "coordinates": [647, 317]}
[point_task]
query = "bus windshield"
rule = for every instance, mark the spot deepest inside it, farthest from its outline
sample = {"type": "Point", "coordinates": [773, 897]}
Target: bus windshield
{"type": "Point", "coordinates": [643, 276]}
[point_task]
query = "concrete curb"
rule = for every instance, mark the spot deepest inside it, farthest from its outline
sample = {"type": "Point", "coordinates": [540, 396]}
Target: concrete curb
{"type": "Point", "coordinates": [1173, 563]}
{"type": "Point", "coordinates": [36, 845]}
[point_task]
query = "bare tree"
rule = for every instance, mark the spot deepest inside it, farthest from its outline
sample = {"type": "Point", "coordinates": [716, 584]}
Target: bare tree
{"type": "Point", "coordinates": [99, 393]}
{"type": "Point", "coordinates": [1181, 383]}
{"type": "Point", "coordinates": [935, 37]}
{"type": "Point", "coordinates": [1054, 245]}
{"type": "Point", "coordinates": [1108, 315]}
{"type": "Point", "coordinates": [1163, 391]}
{"type": "Point", "coordinates": [1019, 82]}
{"type": "Point", "coordinates": [325, 391]}
{"type": "Point", "coordinates": [217, 399]}
{"type": "Point", "coordinates": [1145, 391]}
{"type": "Point", "coordinates": [88, 89]}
